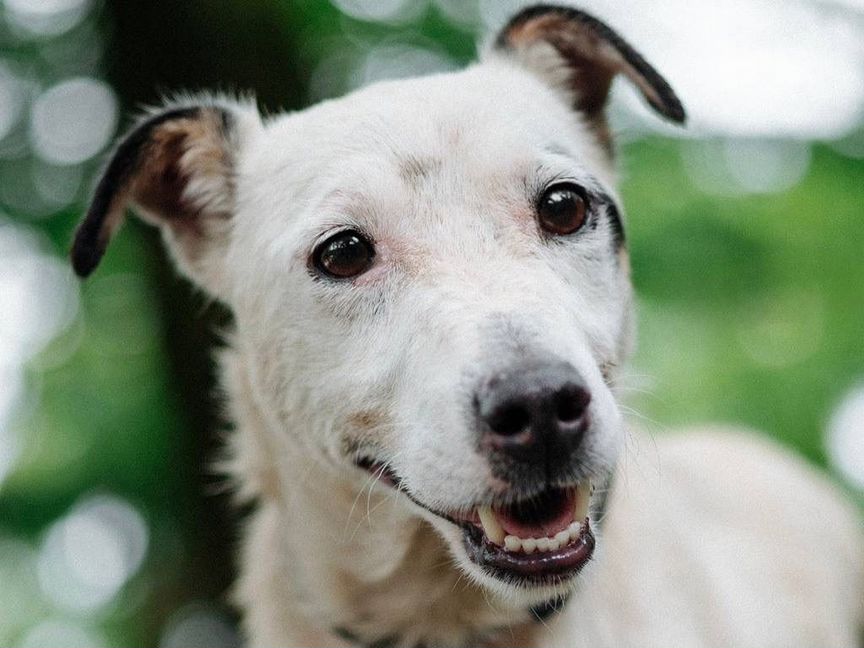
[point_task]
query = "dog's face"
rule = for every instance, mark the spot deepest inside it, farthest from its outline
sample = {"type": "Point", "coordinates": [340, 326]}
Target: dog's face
{"type": "Point", "coordinates": [429, 279]}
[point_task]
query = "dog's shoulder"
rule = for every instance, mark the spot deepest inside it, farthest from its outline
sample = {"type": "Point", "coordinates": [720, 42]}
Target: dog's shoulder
{"type": "Point", "coordinates": [757, 478]}
{"type": "Point", "coordinates": [731, 535]}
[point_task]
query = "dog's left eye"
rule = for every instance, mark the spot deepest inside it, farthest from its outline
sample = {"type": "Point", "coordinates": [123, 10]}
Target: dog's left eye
{"type": "Point", "coordinates": [562, 209]}
{"type": "Point", "coordinates": [344, 255]}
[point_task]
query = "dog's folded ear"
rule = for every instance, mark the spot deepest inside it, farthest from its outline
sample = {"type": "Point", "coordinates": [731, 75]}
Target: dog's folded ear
{"type": "Point", "coordinates": [579, 54]}
{"type": "Point", "coordinates": [176, 170]}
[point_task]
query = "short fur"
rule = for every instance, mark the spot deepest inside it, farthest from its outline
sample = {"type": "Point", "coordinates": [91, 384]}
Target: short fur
{"type": "Point", "coordinates": [713, 538]}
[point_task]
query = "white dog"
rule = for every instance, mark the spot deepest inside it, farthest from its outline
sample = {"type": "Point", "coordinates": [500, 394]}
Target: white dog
{"type": "Point", "coordinates": [431, 292]}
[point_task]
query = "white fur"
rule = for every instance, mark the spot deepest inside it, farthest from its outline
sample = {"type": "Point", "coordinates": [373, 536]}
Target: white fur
{"type": "Point", "coordinates": [714, 541]}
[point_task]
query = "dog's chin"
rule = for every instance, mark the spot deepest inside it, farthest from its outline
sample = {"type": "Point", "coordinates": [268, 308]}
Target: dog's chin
{"type": "Point", "coordinates": [532, 548]}
{"type": "Point", "coordinates": [514, 590]}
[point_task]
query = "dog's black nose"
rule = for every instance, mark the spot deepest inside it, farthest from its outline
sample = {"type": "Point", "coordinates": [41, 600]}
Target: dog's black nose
{"type": "Point", "coordinates": [529, 411]}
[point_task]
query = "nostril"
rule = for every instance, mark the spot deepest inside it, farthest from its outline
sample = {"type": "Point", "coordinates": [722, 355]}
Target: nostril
{"type": "Point", "coordinates": [510, 420]}
{"type": "Point", "coordinates": [566, 410]}
{"type": "Point", "coordinates": [570, 404]}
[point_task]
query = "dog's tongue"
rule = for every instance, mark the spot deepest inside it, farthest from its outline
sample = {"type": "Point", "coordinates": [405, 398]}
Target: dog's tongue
{"type": "Point", "coordinates": [542, 517]}
{"type": "Point", "coordinates": [538, 522]}
{"type": "Point", "coordinates": [546, 516]}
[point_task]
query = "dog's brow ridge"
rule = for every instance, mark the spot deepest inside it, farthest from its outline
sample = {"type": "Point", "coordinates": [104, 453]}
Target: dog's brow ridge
{"type": "Point", "coordinates": [413, 169]}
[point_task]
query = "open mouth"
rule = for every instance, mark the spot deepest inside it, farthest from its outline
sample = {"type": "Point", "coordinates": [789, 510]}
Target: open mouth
{"type": "Point", "coordinates": [542, 540]}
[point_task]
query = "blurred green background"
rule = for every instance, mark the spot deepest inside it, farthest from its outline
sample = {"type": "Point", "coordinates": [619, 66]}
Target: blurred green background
{"type": "Point", "coordinates": [747, 248]}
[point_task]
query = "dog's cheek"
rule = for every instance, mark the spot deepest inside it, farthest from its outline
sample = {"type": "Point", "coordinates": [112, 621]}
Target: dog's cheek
{"type": "Point", "coordinates": [606, 441]}
{"type": "Point", "coordinates": [439, 462]}
{"type": "Point", "coordinates": [378, 553]}
{"type": "Point", "coordinates": [436, 453]}
{"type": "Point", "coordinates": [595, 296]}
{"type": "Point", "coordinates": [314, 378]}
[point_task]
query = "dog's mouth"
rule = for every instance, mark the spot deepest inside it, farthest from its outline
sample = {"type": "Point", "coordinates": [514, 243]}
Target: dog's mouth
{"type": "Point", "coordinates": [542, 540]}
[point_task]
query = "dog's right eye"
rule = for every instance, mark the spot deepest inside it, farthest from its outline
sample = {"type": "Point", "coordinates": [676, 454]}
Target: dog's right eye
{"type": "Point", "coordinates": [562, 209]}
{"type": "Point", "coordinates": [344, 255]}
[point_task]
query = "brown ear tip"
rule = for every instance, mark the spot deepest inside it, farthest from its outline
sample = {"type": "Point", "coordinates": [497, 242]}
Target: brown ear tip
{"type": "Point", "coordinates": [556, 18]}
{"type": "Point", "coordinates": [666, 102]}
{"type": "Point", "coordinates": [675, 112]}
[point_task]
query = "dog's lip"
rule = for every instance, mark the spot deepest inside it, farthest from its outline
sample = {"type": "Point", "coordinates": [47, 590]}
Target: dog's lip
{"type": "Point", "coordinates": [380, 470]}
{"type": "Point", "coordinates": [540, 568]}
{"type": "Point", "coordinates": [530, 569]}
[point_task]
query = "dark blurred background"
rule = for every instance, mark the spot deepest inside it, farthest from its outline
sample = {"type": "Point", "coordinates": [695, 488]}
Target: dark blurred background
{"type": "Point", "coordinates": [747, 236]}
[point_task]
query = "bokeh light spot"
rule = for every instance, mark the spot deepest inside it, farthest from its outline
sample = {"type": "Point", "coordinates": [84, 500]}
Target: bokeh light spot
{"type": "Point", "coordinates": [73, 120]}
{"type": "Point", "coordinates": [11, 391]}
{"type": "Point", "coordinates": [399, 61]}
{"type": "Point", "coordinates": [13, 94]}
{"type": "Point", "coordinates": [39, 300]}
{"type": "Point", "coordinates": [199, 626]}
{"type": "Point", "coordinates": [89, 555]}
{"type": "Point", "coordinates": [385, 11]}
{"type": "Point", "coordinates": [20, 603]}
{"type": "Point", "coordinates": [58, 186]}
{"type": "Point", "coordinates": [38, 293]}
{"type": "Point", "coordinates": [745, 166]}
{"type": "Point", "coordinates": [46, 17]}
{"type": "Point", "coordinates": [54, 633]}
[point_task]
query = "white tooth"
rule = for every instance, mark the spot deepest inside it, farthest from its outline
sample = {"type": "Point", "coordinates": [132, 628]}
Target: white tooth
{"type": "Point", "coordinates": [491, 525]}
{"type": "Point", "coordinates": [563, 537]}
{"type": "Point", "coordinates": [580, 508]}
{"type": "Point", "coordinates": [529, 545]}
{"type": "Point", "coordinates": [543, 544]}
{"type": "Point", "coordinates": [512, 543]}
{"type": "Point", "coordinates": [554, 545]}
{"type": "Point", "coordinates": [574, 529]}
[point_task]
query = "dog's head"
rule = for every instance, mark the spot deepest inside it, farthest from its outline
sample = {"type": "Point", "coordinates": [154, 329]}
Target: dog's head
{"type": "Point", "coordinates": [429, 279]}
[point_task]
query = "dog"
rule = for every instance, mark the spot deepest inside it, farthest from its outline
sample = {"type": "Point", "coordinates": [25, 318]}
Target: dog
{"type": "Point", "coordinates": [431, 296]}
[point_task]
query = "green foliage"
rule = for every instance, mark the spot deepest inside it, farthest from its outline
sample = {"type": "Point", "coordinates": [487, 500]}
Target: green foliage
{"type": "Point", "coordinates": [751, 307]}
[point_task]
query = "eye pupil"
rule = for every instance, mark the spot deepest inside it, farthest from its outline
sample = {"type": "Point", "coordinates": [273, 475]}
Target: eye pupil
{"type": "Point", "coordinates": [562, 210]}
{"type": "Point", "coordinates": [343, 255]}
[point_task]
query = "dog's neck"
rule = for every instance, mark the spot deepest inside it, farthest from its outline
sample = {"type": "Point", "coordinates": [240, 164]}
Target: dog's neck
{"type": "Point", "coordinates": [328, 563]}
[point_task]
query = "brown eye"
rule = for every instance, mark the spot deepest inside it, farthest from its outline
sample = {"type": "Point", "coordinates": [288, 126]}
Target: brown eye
{"type": "Point", "coordinates": [562, 209]}
{"type": "Point", "coordinates": [344, 255]}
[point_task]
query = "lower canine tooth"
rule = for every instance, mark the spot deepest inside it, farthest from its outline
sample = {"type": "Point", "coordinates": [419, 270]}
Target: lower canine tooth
{"type": "Point", "coordinates": [491, 526]}
{"type": "Point", "coordinates": [512, 543]}
{"type": "Point", "coordinates": [563, 537]}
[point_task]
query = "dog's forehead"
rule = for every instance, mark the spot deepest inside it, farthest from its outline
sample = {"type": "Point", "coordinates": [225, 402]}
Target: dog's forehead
{"type": "Point", "coordinates": [488, 120]}
{"type": "Point", "coordinates": [458, 150]}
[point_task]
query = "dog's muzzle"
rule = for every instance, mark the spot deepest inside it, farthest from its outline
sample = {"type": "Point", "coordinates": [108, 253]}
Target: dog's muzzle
{"type": "Point", "coordinates": [539, 540]}
{"type": "Point", "coordinates": [531, 420]}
